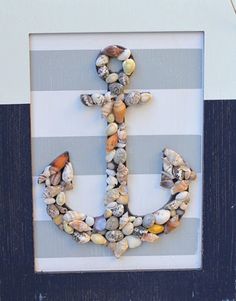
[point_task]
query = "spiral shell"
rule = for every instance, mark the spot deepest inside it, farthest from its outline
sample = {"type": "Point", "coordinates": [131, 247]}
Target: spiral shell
{"type": "Point", "coordinates": [73, 215]}
{"type": "Point", "coordinates": [119, 110]}
{"type": "Point", "coordinates": [116, 88]}
{"type": "Point", "coordinates": [112, 51]}
{"type": "Point", "coordinates": [132, 98]}
{"type": "Point", "coordinates": [79, 226]}
{"type": "Point", "coordinates": [122, 173]}
{"type": "Point", "coordinates": [102, 60]}
{"type": "Point", "coordinates": [123, 79]}
{"type": "Point", "coordinates": [111, 129]}
{"type": "Point", "coordinates": [128, 66]}
{"type": "Point", "coordinates": [87, 100]}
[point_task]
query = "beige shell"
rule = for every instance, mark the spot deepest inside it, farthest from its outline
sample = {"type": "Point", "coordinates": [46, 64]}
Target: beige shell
{"type": "Point", "coordinates": [111, 129]}
{"type": "Point", "coordinates": [124, 219]}
{"type": "Point", "coordinates": [122, 173]}
{"type": "Point", "coordinates": [133, 241]}
{"type": "Point", "coordinates": [49, 201]}
{"type": "Point", "coordinates": [112, 77]}
{"type": "Point", "coordinates": [112, 195]}
{"type": "Point", "coordinates": [122, 135]}
{"type": "Point", "coordinates": [182, 196]}
{"type": "Point", "coordinates": [138, 221]}
{"type": "Point", "coordinates": [110, 156]}
{"type": "Point", "coordinates": [180, 186]}
{"type": "Point", "coordinates": [123, 199]}
{"type": "Point", "coordinates": [58, 219]}
{"type": "Point", "coordinates": [119, 110]}
{"type": "Point", "coordinates": [98, 239]}
{"type": "Point", "coordinates": [98, 99]}
{"type": "Point", "coordinates": [173, 157]}
{"type": "Point", "coordinates": [55, 179]}
{"type": "Point", "coordinates": [107, 109]}
{"type": "Point", "coordinates": [128, 228]}
{"type": "Point", "coordinates": [120, 156]}
{"type": "Point", "coordinates": [128, 66]}
{"type": "Point", "coordinates": [149, 237]}
{"type": "Point", "coordinates": [73, 215]}
{"type": "Point", "coordinates": [110, 117]}
{"type": "Point", "coordinates": [51, 191]}
{"type": "Point", "coordinates": [44, 175]}
{"type": "Point", "coordinates": [124, 55]}
{"type": "Point", "coordinates": [173, 205]}
{"type": "Point", "coordinates": [52, 210]}
{"type": "Point", "coordinates": [82, 238]}
{"type": "Point", "coordinates": [67, 174]}
{"type": "Point", "coordinates": [61, 198]}
{"type": "Point", "coordinates": [102, 60]}
{"type": "Point", "coordinates": [121, 247]}
{"type": "Point", "coordinates": [145, 97]}
{"type": "Point", "coordinates": [67, 228]}
{"type": "Point", "coordinates": [79, 226]}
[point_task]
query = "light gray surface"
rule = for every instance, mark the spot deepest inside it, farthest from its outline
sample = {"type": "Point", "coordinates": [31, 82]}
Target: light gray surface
{"type": "Point", "coordinates": [50, 242]}
{"type": "Point", "coordinates": [88, 153]}
{"type": "Point", "coordinates": [156, 69]}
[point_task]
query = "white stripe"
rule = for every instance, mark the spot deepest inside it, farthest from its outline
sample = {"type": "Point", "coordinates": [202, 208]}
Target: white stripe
{"type": "Point", "coordinates": [144, 191]}
{"type": "Point", "coordinates": [112, 264]}
{"type": "Point", "coordinates": [171, 112]}
{"type": "Point", "coordinates": [129, 40]}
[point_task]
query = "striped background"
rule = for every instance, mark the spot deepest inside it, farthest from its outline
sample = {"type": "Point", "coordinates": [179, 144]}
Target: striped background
{"type": "Point", "coordinates": [60, 72]}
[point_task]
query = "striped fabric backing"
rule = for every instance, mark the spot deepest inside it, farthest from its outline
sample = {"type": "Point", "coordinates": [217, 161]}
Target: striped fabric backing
{"type": "Point", "coordinates": [169, 65]}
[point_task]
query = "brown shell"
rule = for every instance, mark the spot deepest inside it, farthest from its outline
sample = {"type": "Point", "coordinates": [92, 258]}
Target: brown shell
{"type": "Point", "coordinates": [112, 51]}
{"type": "Point", "coordinates": [119, 110]}
{"type": "Point", "coordinates": [112, 142]}
{"type": "Point", "coordinates": [79, 226]}
{"type": "Point", "coordinates": [180, 186]}
{"type": "Point", "coordinates": [60, 161]}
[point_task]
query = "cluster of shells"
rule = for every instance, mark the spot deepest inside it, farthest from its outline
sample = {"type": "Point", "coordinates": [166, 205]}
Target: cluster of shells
{"type": "Point", "coordinates": [117, 228]}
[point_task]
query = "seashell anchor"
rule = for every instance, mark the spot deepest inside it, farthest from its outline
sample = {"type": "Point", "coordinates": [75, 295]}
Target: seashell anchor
{"type": "Point", "coordinates": [117, 228]}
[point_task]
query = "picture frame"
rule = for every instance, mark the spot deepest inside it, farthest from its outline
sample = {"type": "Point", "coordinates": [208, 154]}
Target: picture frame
{"type": "Point", "coordinates": [215, 281]}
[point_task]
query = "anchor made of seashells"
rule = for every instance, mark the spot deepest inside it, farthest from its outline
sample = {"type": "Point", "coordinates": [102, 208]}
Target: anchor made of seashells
{"type": "Point", "coordinates": [117, 228]}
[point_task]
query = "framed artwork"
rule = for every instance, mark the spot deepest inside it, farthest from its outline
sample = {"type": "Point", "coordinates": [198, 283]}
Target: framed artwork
{"type": "Point", "coordinates": [185, 57]}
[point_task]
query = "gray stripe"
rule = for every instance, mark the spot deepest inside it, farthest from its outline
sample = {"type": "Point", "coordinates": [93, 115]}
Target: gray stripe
{"type": "Point", "coordinates": [156, 69]}
{"type": "Point", "coordinates": [50, 242]}
{"type": "Point", "coordinates": [88, 153]}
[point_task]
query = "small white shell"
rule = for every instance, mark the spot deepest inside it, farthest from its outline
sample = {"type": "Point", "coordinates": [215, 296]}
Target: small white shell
{"type": "Point", "coordinates": [44, 175]}
{"type": "Point", "coordinates": [162, 216]}
{"type": "Point", "coordinates": [98, 99]}
{"type": "Point", "coordinates": [145, 97]}
{"type": "Point", "coordinates": [138, 221]}
{"type": "Point", "coordinates": [112, 77]}
{"type": "Point", "coordinates": [110, 172]}
{"type": "Point", "coordinates": [49, 201]}
{"type": "Point", "coordinates": [67, 174]}
{"type": "Point", "coordinates": [173, 157]}
{"type": "Point", "coordinates": [102, 60]}
{"type": "Point", "coordinates": [120, 156]}
{"type": "Point", "coordinates": [89, 221]}
{"type": "Point", "coordinates": [182, 195]}
{"type": "Point", "coordinates": [112, 181]}
{"type": "Point", "coordinates": [111, 129]}
{"type": "Point", "coordinates": [61, 198]}
{"type": "Point", "coordinates": [73, 215]}
{"type": "Point", "coordinates": [133, 241]}
{"type": "Point", "coordinates": [124, 55]}
{"type": "Point", "coordinates": [110, 156]}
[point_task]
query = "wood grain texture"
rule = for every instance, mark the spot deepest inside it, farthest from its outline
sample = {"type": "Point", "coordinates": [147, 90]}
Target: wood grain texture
{"type": "Point", "coordinates": [216, 281]}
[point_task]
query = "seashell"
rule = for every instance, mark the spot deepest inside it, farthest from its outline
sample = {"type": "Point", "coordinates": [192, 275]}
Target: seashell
{"type": "Point", "coordinates": [155, 229]}
{"type": "Point", "coordinates": [110, 156]}
{"type": "Point", "coordinates": [125, 54]}
{"type": "Point", "coordinates": [55, 179]}
{"type": "Point", "coordinates": [73, 215]}
{"type": "Point", "coordinates": [79, 226]}
{"type": "Point", "coordinates": [98, 239]}
{"type": "Point", "coordinates": [66, 186]}
{"type": "Point", "coordinates": [193, 176]}
{"type": "Point", "coordinates": [87, 100]}
{"type": "Point", "coordinates": [162, 216]}
{"type": "Point", "coordinates": [102, 60]}
{"type": "Point", "coordinates": [103, 72]}
{"type": "Point", "coordinates": [116, 88]}
{"type": "Point", "coordinates": [172, 213]}
{"type": "Point", "coordinates": [124, 219]}
{"type": "Point", "coordinates": [112, 195]}
{"type": "Point", "coordinates": [58, 219]}
{"type": "Point", "coordinates": [121, 247]}
{"type": "Point", "coordinates": [180, 212]}
{"type": "Point", "coordinates": [122, 135]}
{"type": "Point", "coordinates": [67, 228]}
{"type": "Point", "coordinates": [183, 206]}
{"type": "Point", "coordinates": [172, 224]}
{"type": "Point", "coordinates": [109, 187]}
{"type": "Point", "coordinates": [145, 97]}
{"type": "Point", "coordinates": [51, 191]}
{"type": "Point", "coordinates": [123, 199]}
{"type": "Point", "coordinates": [132, 98]}
{"type": "Point", "coordinates": [119, 110]}
{"type": "Point", "coordinates": [179, 173]}
{"type": "Point", "coordinates": [133, 241]}
{"type": "Point", "coordinates": [52, 210]}
{"type": "Point", "coordinates": [112, 245]}
{"type": "Point", "coordinates": [107, 213]}
{"type": "Point", "coordinates": [173, 157]}
{"type": "Point", "coordinates": [47, 182]}
{"type": "Point", "coordinates": [44, 175]}
{"type": "Point", "coordinates": [139, 231]}
{"type": "Point", "coordinates": [123, 79]}
{"type": "Point", "coordinates": [167, 167]}
{"type": "Point", "coordinates": [128, 228]}
{"type": "Point", "coordinates": [82, 238]}
{"type": "Point", "coordinates": [112, 142]}
{"type": "Point", "coordinates": [110, 172]}
{"type": "Point", "coordinates": [121, 145]}
{"type": "Point", "coordinates": [112, 51]}
{"type": "Point", "coordinates": [112, 205]}
{"type": "Point", "coordinates": [179, 186]}
{"type": "Point", "coordinates": [62, 209]}
{"type": "Point", "coordinates": [49, 201]}
{"type": "Point", "coordinates": [120, 156]}
{"type": "Point", "coordinates": [99, 223]}
{"type": "Point", "coordinates": [138, 221]}
{"type": "Point", "coordinates": [149, 237]}
{"type": "Point", "coordinates": [111, 129]}
{"type": "Point", "coordinates": [148, 220]}
{"type": "Point", "coordinates": [184, 195]}
{"type": "Point", "coordinates": [112, 181]}
{"type": "Point", "coordinates": [112, 223]}
{"type": "Point", "coordinates": [114, 235]}
{"type": "Point", "coordinates": [98, 99]}
{"type": "Point", "coordinates": [118, 210]}
{"type": "Point", "coordinates": [61, 198]}
{"type": "Point", "coordinates": [111, 117]}
{"type": "Point", "coordinates": [107, 109]}
{"type": "Point", "coordinates": [131, 218]}
{"type": "Point", "coordinates": [122, 173]}
{"type": "Point", "coordinates": [67, 174]}
{"type": "Point", "coordinates": [173, 205]}
{"type": "Point", "coordinates": [112, 77]}
{"type": "Point", "coordinates": [123, 189]}
{"type": "Point", "coordinates": [166, 182]}
{"type": "Point", "coordinates": [58, 163]}
{"type": "Point", "coordinates": [128, 66]}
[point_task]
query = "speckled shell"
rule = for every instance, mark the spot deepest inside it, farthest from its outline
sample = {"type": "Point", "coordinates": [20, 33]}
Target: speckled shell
{"type": "Point", "coordinates": [133, 241]}
{"type": "Point", "coordinates": [145, 97]}
{"type": "Point", "coordinates": [111, 129]}
{"type": "Point", "coordinates": [120, 247]}
{"type": "Point", "coordinates": [67, 174]}
{"type": "Point", "coordinates": [81, 237]}
{"type": "Point", "coordinates": [124, 55]}
{"type": "Point", "coordinates": [132, 98]}
{"type": "Point", "coordinates": [98, 239]}
{"type": "Point", "coordinates": [51, 191]}
{"type": "Point", "coordinates": [162, 216]}
{"type": "Point", "coordinates": [173, 157]}
{"type": "Point", "coordinates": [103, 72]}
{"type": "Point", "coordinates": [79, 226]}
{"type": "Point", "coordinates": [123, 79]}
{"type": "Point", "coordinates": [120, 156]}
{"type": "Point", "coordinates": [102, 60]}
{"type": "Point", "coordinates": [180, 186]}
{"type": "Point", "coordinates": [116, 88]}
{"type": "Point", "coordinates": [112, 142]}
{"type": "Point", "coordinates": [61, 198]}
{"type": "Point", "coordinates": [128, 228]}
{"type": "Point", "coordinates": [112, 51]}
{"type": "Point", "coordinates": [98, 99]}
{"type": "Point", "coordinates": [73, 215]}
{"type": "Point", "coordinates": [112, 77]}
{"type": "Point", "coordinates": [87, 100]}
{"type": "Point", "coordinates": [122, 173]}
{"type": "Point", "coordinates": [119, 110]}
{"type": "Point", "coordinates": [55, 179]}
{"type": "Point", "coordinates": [118, 210]}
{"type": "Point", "coordinates": [128, 66]}
{"type": "Point", "coordinates": [112, 223]}
{"type": "Point", "coordinates": [114, 235]}
{"type": "Point", "coordinates": [58, 163]}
